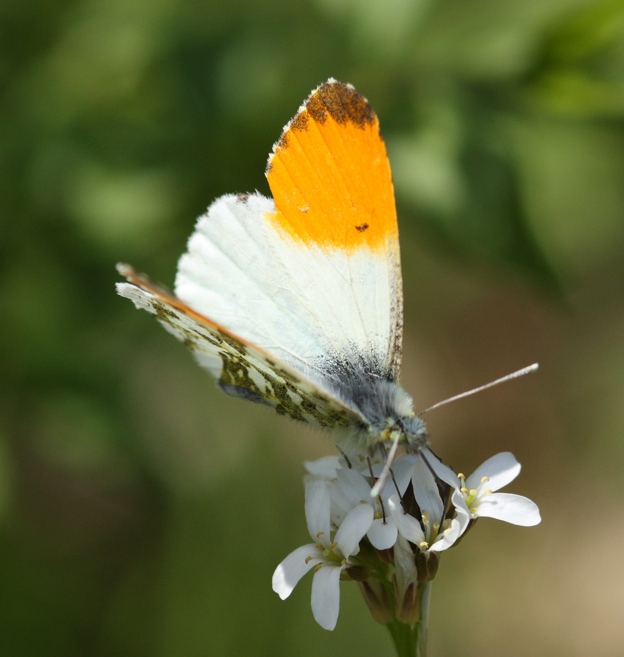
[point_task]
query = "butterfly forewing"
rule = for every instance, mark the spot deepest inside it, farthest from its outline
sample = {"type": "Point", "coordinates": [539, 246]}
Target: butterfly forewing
{"type": "Point", "coordinates": [311, 276]}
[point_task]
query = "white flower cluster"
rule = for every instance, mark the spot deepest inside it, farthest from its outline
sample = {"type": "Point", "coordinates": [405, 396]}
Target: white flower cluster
{"type": "Point", "coordinates": [422, 510]}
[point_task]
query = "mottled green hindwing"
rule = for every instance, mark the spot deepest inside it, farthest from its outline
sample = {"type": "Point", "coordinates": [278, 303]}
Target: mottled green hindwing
{"type": "Point", "coordinates": [241, 369]}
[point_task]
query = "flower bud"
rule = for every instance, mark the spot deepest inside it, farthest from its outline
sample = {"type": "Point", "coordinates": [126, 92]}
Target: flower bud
{"type": "Point", "coordinates": [376, 598]}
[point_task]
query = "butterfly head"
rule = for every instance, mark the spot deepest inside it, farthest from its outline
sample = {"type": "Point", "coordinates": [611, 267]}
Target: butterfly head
{"type": "Point", "coordinates": [407, 430]}
{"type": "Point", "coordinates": [390, 415]}
{"type": "Point", "coordinates": [415, 433]}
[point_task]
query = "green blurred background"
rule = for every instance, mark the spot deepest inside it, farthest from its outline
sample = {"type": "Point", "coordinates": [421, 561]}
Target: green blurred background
{"type": "Point", "coordinates": [142, 512]}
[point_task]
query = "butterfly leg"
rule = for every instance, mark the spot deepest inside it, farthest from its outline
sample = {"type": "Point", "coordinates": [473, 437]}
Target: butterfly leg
{"type": "Point", "coordinates": [395, 438]}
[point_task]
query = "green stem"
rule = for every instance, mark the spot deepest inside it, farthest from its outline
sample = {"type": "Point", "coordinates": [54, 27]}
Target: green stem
{"type": "Point", "coordinates": [411, 640]}
{"type": "Point", "coordinates": [424, 594]}
{"type": "Point", "coordinates": [404, 637]}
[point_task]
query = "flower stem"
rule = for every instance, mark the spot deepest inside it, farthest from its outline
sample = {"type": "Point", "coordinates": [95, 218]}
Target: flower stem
{"type": "Point", "coordinates": [411, 640]}
{"type": "Point", "coordinates": [404, 638]}
{"type": "Point", "coordinates": [424, 593]}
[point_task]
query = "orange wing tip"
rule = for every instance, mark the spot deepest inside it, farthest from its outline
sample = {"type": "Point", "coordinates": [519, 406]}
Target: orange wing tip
{"type": "Point", "coordinates": [330, 176]}
{"type": "Point", "coordinates": [340, 100]}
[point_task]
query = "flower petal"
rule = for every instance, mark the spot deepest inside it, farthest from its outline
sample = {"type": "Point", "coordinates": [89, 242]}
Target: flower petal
{"type": "Point", "coordinates": [349, 490]}
{"type": "Point", "coordinates": [354, 486]}
{"type": "Point", "coordinates": [401, 470]}
{"type": "Point", "coordinates": [441, 470]}
{"type": "Point", "coordinates": [426, 491]}
{"type": "Point", "coordinates": [402, 473]}
{"type": "Point", "coordinates": [345, 498]}
{"type": "Point", "coordinates": [293, 568]}
{"type": "Point", "coordinates": [405, 565]}
{"type": "Point", "coordinates": [324, 467]}
{"type": "Point", "coordinates": [317, 508]}
{"type": "Point", "coordinates": [514, 509]}
{"type": "Point", "coordinates": [458, 525]}
{"type": "Point", "coordinates": [407, 525]}
{"type": "Point", "coordinates": [326, 596]}
{"type": "Point", "coordinates": [500, 469]}
{"type": "Point", "coordinates": [382, 533]}
{"type": "Point", "coordinates": [353, 528]}
{"type": "Point", "coordinates": [448, 537]}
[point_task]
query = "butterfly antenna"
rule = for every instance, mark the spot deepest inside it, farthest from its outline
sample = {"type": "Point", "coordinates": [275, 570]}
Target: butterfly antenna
{"type": "Point", "coordinates": [386, 469]}
{"type": "Point", "coordinates": [513, 375]}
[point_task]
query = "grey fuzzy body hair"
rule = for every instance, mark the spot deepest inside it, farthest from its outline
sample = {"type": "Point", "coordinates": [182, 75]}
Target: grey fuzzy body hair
{"type": "Point", "coordinates": [382, 403]}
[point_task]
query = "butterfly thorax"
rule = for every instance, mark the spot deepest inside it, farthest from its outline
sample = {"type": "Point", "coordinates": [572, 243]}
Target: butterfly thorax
{"type": "Point", "coordinates": [387, 410]}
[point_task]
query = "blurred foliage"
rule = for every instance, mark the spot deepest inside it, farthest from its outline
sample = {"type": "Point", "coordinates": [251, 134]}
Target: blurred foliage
{"type": "Point", "coordinates": [136, 513]}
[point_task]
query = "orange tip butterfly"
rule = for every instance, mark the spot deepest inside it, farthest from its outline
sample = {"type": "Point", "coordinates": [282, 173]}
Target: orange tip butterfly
{"type": "Point", "coordinates": [296, 301]}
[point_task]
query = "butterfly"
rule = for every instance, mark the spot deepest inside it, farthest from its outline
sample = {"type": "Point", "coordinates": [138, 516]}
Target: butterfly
{"type": "Point", "coordinates": [296, 301]}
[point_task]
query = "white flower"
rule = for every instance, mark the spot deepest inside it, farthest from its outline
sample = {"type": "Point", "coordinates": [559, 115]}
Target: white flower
{"type": "Point", "coordinates": [325, 467]}
{"type": "Point", "coordinates": [482, 502]}
{"type": "Point", "coordinates": [352, 488]}
{"type": "Point", "coordinates": [432, 531]}
{"type": "Point", "coordinates": [329, 555]}
{"type": "Point", "coordinates": [340, 513]}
